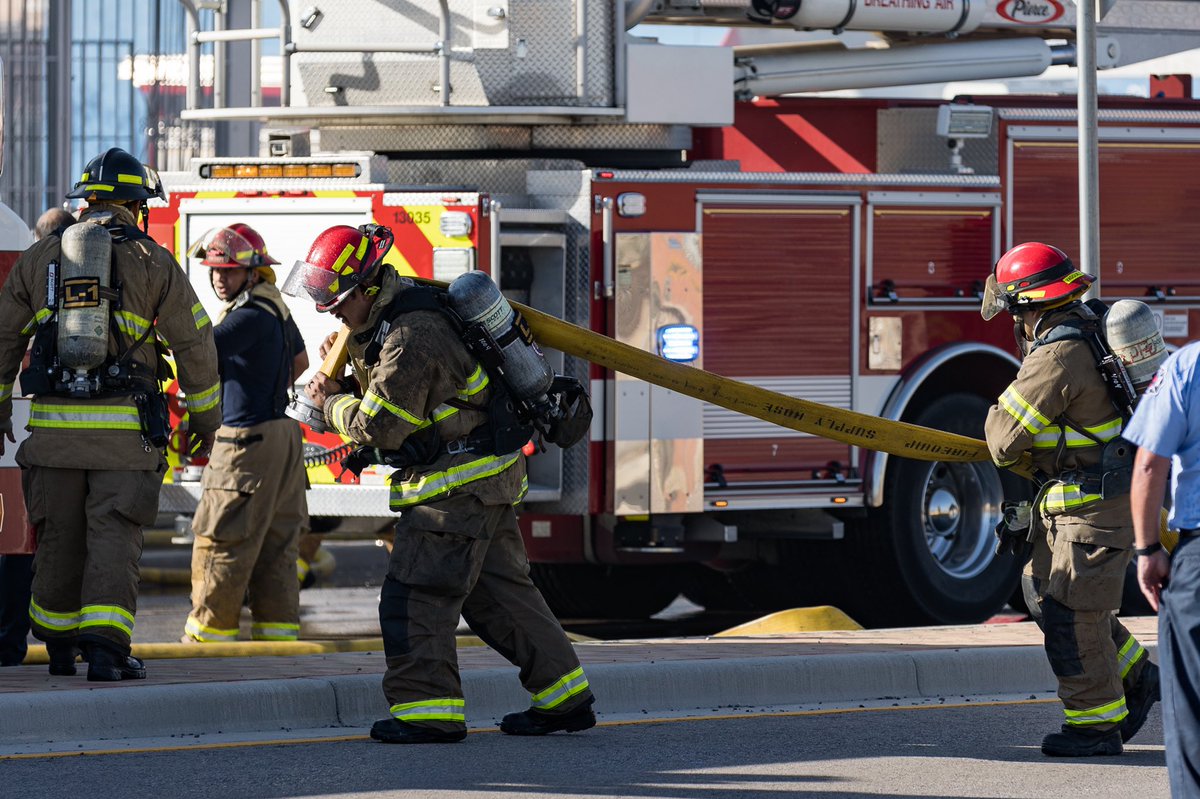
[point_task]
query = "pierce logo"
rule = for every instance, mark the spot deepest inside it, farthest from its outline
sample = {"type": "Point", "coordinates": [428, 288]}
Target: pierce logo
{"type": "Point", "coordinates": [1030, 12]}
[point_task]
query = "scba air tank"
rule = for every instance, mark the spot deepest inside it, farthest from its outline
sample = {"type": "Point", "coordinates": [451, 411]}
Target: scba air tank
{"type": "Point", "coordinates": [477, 300]}
{"type": "Point", "coordinates": [86, 262]}
{"type": "Point", "coordinates": [1133, 335]}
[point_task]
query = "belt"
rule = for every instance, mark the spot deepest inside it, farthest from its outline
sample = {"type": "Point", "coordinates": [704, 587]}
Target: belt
{"type": "Point", "coordinates": [1192, 533]}
{"type": "Point", "coordinates": [241, 442]}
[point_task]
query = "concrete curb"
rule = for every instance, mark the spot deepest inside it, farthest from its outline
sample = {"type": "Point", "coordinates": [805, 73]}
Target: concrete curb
{"type": "Point", "coordinates": [183, 710]}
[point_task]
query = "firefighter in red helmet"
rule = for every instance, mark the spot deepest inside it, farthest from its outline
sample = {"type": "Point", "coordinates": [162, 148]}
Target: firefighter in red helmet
{"type": "Point", "coordinates": [416, 399]}
{"type": "Point", "coordinates": [1077, 532]}
{"type": "Point", "coordinates": [252, 511]}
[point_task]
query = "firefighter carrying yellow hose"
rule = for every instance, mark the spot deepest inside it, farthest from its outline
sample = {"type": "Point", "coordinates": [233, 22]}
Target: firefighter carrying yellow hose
{"type": "Point", "coordinates": [1078, 529]}
{"type": "Point", "coordinates": [425, 403]}
{"type": "Point", "coordinates": [103, 302]}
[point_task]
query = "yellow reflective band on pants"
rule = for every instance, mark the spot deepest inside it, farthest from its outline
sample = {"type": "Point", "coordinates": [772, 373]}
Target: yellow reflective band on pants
{"type": "Point", "coordinates": [50, 620]}
{"type": "Point", "coordinates": [1064, 497]}
{"type": "Point", "coordinates": [112, 616]}
{"type": "Point", "coordinates": [1105, 714]}
{"type": "Point", "coordinates": [1029, 417]}
{"type": "Point", "coordinates": [1074, 439]}
{"type": "Point", "coordinates": [274, 631]}
{"type": "Point", "coordinates": [84, 417]}
{"type": "Point", "coordinates": [204, 400]}
{"type": "Point", "coordinates": [566, 687]}
{"type": "Point", "coordinates": [432, 710]}
{"type": "Point", "coordinates": [431, 486]}
{"type": "Point", "coordinates": [1130, 653]}
{"type": "Point", "coordinates": [208, 635]}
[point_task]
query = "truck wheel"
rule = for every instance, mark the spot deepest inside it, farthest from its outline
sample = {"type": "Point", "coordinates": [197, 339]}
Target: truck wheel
{"type": "Point", "coordinates": [928, 555]}
{"type": "Point", "coordinates": [584, 591]}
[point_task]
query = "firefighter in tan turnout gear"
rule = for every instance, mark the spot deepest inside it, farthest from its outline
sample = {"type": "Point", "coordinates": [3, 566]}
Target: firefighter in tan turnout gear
{"type": "Point", "coordinates": [420, 397]}
{"type": "Point", "coordinates": [1061, 410]}
{"type": "Point", "coordinates": [253, 511]}
{"type": "Point", "coordinates": [102, 302]}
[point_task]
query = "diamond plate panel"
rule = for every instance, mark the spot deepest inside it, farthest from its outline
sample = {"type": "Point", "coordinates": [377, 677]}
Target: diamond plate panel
{"type": "Point", "coordinates": [614, 137]}
{"type": "Point", "coordinates": [907, 143]}
{"type": "Point", "coordinates": [426, 137]}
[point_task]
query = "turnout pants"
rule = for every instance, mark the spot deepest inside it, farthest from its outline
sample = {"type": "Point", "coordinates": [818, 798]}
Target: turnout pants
{"type": "Point", "coordinates": [461, 556]}
{"type": "Point", "coordinates": [248, 526]}
{"type": "Point", "coordinates": [1179, 658]}
{"type": "Point", "coordinates": [1095, 658]}
{"type": "Point", "coordinates": [89, 538]}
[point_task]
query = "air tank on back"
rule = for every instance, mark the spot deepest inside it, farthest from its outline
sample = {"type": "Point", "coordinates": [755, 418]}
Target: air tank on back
{"type": "Point", "coordinates": [86, 261]}
{"type": "Point", "coordinates": [1133, 335]}
{"type": "Point", "coordinates": [476, 299]}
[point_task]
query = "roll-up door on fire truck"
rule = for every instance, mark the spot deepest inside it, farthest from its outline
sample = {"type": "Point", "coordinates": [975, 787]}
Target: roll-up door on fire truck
{"type": "Point", "coordinates": [1148, 179]}
{"type": "Point", "coordinates": [781, 312]}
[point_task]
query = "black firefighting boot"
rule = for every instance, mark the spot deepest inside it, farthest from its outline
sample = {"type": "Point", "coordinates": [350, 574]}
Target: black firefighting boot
{"type": "Point", "coordinates": [1141, 697]}
{"type": "Point", "coordinates": [106, 664]}
{"type": "Point", "coordinates": [1082, 742]}
{"type": "Point", "coordinates": [62, 657]}
{"type": "Point", "coordinates": [395, 731]}
{"type": "Point", "coordinates": [537, 722]}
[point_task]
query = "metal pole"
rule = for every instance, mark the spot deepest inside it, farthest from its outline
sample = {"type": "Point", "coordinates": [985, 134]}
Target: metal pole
{"type": "Point", "coordinates": [1089, 156]}
{"type": "Point", "coordinates": [219, 61]}
{"type": "Point", "coordinates": [255, 55]}
{"type": "Point", "coordinates": [444, 34]}
{"type": "Point", "coordinates": [285, 54]}
{"type": "Point", "coordinates": [193, 27]}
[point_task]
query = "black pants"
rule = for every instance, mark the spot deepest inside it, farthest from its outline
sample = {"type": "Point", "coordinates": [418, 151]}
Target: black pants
{"type": "Point", "coordinates": [16, 581]}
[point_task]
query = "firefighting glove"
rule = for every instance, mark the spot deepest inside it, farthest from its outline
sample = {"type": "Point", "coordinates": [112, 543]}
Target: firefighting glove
{"type": "Point", "coordinates": [1013, 529]}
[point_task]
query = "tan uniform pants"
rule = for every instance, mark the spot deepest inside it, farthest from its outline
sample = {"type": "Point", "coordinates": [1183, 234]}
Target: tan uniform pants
{"type": "Point", "coordinates": [1095, 658]}
{"type": "Point", "coordinates": [248, 525]}
{"type": "Point", "coordinates": [461, 556]}
{"type": "Point", "coordinates": [89, 538]}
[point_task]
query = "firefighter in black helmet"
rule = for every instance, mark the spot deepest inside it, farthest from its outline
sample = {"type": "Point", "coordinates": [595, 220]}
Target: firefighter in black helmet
{"type": "Point", "coordinates": [93, 463]}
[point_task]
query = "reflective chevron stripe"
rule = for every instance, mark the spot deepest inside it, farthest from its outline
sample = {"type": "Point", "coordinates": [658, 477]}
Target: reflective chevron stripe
{"type": "Point", "coordinates": [208, 635]}
{"type": "Point", "coordinates": [1048, 438]}
{"type": "Point", "coordinates": [84, 417]}
{"type": "Point", "coordinates": [563, 689]}
{"type": "Point", "coordinates": [112, 616]}
{"type": "Point", "coordinates": [435, 484]}
{"type": "Point", "coordinates": [49, 620]}
{"type": "Point", "coordinates": [275, 631]}
{"type": "Point", "coordinates": [1018, 408]}
{"type": "Point", "coordinates": [432, 710]}
{"type": "Point", "coordinates": [1112, 712]}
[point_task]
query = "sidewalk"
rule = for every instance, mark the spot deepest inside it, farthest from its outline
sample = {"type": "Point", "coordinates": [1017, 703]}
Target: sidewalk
{"type": "Point", "coordinates": [187, 697]}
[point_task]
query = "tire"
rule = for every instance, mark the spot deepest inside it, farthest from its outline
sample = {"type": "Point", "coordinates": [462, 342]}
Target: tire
{"type": "Point", "coordinates": [928, 555]}
{"type": "Point", "coordinates": [584, 591]}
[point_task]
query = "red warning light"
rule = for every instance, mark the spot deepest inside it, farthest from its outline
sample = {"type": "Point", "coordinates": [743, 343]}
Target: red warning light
{"type": "Point", "coordinates": [529, 448]}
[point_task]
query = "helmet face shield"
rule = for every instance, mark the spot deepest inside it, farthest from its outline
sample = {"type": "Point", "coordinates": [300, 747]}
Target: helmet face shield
{"type": "Point", "coordinates": [325, 288]}
{"type": "Point", "coordinates": [223, 248]}
{"type": "Point", "coordinates": [994, 301]}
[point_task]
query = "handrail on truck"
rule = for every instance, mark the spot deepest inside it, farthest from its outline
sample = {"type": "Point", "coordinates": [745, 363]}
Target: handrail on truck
{"type": "Point", "coordinates": [287, 47]}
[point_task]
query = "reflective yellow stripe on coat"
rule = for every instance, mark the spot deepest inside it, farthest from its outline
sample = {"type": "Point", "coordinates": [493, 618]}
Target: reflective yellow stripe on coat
{"type": "Point", "coordinates": [1107, 431]}
{"type": "Point", "coordinates": [84, 417]}
{"type": "Point", "coordinates": [436, 484]}
{"type": "Point", "coordinates": [1018, 408]}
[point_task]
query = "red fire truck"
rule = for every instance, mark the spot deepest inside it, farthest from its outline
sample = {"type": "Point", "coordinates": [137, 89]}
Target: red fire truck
{"type": "Point", "coordinates": [830, 249]}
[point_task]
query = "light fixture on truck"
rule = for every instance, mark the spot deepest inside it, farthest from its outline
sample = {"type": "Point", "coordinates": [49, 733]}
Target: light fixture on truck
{"type": "Point", "coordinates": [679, 343]}
{"type": "Point", "coordinates": [251, 171]}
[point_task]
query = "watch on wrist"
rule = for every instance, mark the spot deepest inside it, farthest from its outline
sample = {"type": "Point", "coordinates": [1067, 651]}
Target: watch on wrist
{"type": "Point", "coordinates": [1148, 550]}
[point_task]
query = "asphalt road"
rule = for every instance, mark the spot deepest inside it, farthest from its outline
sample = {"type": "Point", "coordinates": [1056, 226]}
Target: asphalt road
{"type": "Point", "coordinates": [979, 750]}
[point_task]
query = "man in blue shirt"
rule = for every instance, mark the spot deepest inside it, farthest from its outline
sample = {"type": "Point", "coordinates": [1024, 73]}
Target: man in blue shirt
{"type": "Point", "coordinates": [1166, 428]}
{"type": "Point", "coordinates": [253, 511]}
